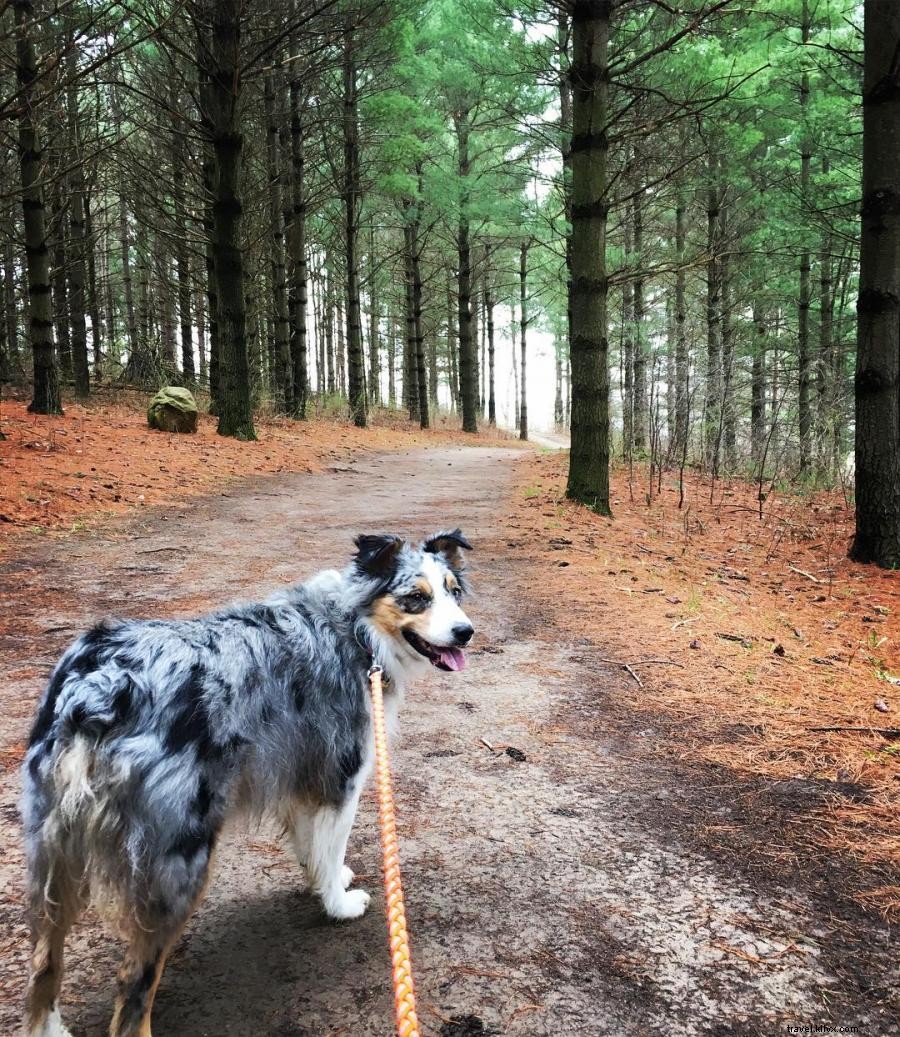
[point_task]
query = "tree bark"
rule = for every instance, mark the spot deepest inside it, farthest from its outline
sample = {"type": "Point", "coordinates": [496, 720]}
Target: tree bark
{"type": "Point", "coordinates": [878, 326]}
{"type": "Point", "coordinates": [421, 370]}
{"type": "Point", "coordinates": [826, 397]}
{"type": "Point", "coordinates": [11, 315]}
{"type": "Point", "coordinates": [523, 328]}
{"type": "Point", "coordinates": [489, 317]}
{"type": "Point", "coordinates": [713, 403]}
{"type": "Point", "coordinates": [224, 98]}
{"type": "Point", "coordinates": [297, 246]}
{"type": "Point", "coordinates": [46, 398]}
{"type": "Point", "coordinates": [93, 293]}
{"type": "Point", "coordinates": [78, 235]}
{"type": "Point", "coordinates": [282, 372]}
{"type": "Point", "coordinates": [588, 480]}
{"type": "Point", "coordinates": [182, 251]}
{"type": "Point", "coordinates": [374, 322]}
{"type": "Point", "coordinates": [682, 403]}
{"type": "Point", "coordinates": [627, 345]}
{"type": "Point", "coordinates": [803, 352]}
{"type": "Point", "coordinates": [758, 386]}
{"type": "Point", "coordinates": [468, 360]}
{"type": "Point", "coordinates": [356, 374]}
{"type": "Point", "coordinates": [641, 415]}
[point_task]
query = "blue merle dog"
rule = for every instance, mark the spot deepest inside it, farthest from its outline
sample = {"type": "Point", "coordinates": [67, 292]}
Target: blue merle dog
{"type": "Point", "coordinates": [151, 734]}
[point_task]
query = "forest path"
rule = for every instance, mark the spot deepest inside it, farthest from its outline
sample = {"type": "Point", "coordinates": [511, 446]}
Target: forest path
{"type": "Point", "coordinates": [559, 895]}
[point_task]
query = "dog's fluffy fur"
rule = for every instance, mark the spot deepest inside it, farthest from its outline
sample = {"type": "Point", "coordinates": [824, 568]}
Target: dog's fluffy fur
{"type": "Point", "coordinates": [152, 733]}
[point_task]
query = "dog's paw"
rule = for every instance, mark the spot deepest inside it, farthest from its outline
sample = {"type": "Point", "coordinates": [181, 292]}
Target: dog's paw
{"type": "Point", "coordinates": [347, 876]}
{"type": "Point", "coordinates": [50, 1026]}
{"type": "Point", "coordinates": [352, 904]}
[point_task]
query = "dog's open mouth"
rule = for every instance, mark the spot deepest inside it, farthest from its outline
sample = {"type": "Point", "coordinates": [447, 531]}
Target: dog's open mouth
{"type": "Point", "coordinates": [442, 658]}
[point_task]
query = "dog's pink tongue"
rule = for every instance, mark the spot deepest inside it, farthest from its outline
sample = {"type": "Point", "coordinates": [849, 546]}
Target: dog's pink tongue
{"type": "Point", "coordinates": [453, 658]}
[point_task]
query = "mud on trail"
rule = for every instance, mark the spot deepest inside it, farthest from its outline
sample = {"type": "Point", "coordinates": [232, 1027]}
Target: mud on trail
{"type": "Point", "coordinates": [576, 891]}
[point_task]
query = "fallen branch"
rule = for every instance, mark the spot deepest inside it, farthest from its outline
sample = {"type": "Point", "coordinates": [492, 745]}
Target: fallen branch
{"type": "Point", "coordinates": [625, 666]}
{"type": "Point", "coordinates": [886, 732]}
{"type": "Point", "coordinates": [803, 572]}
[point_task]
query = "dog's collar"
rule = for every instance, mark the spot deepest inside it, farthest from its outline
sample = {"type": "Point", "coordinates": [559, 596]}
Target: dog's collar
{"type": "Point", "coordinates": [385, 678]}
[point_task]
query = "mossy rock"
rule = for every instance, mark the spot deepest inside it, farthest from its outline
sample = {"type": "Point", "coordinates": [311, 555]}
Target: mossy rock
{"type": "Point", "coordinates": [173, 409]}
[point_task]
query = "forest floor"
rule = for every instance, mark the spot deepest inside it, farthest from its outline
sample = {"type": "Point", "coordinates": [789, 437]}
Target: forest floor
{"type": "Point", "coordinates": [679, 855]}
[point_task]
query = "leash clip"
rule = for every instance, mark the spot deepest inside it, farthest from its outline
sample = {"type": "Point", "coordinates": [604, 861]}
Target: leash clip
{"type": "Point", "coordinates": [373, 669]}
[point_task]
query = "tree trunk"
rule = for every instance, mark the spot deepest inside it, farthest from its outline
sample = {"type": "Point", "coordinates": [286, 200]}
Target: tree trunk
{"type": "Point", "coordinates": [374, 321]}
{"type": "Point", "coordinates": [224, 95]}
{"type": "Point", "coordinates": [165, 309]}
{"type": "Point", "coordinates": [421, 370]}
{"type": "Point", "coordinates": [682, 403]}
{"type": "Point", "coordinates": [826, 398]}
{"type": "Point", "coordinates": [357, 378]}
{"type": "Point", "coordinates": [468, 360]}
{"type": "Point", "coordinates": [410, 362]}
{"type": "Point", "coordinates": [78, 236]}
{"type": "Point", "coordinates": [641, 416]}
{"type": "Point", "coordinates": [803, 354]}
{"type": "Point", "coordinates": [523, 327]}
{"type": "Point", "coordinates": [93, 292]}
{"type": "Point", "coordinates": [11, 315]}
{"type": "Point", "coordinates": [627, 346]}
{"type": "Point", "coordinates": [297, 246]}
{"type": "Point", "coordinates": [713, 404]}
{"type": "Point", "coordinates": [670, 373]}
{"type": "Point", "coordinates": [878, 329]}
{"type": "Point", "coordinates": [729, 418]}
{"type": "Point", "coordinates": [182, 252]}
{"type": "Point", "coordinates": [758, 386]}
{"type": "Point", "coordinates": [565, 147]}
{"type": "Point", "coordinates": [282, 372]}
{"type": "Point", "coordinates": [588, 480]}
{"type": "Point", "coordinates": [391, 361]}
{"type": "Point", "coordinates": [489, 317]}
{"type": "Point", "coordinates": [60, 283]}
{"type": "Point", "coordinates": [46, 398]}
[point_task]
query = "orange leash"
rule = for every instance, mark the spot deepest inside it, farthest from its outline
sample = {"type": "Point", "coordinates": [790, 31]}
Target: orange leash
{"type": "Point", "coordinates": [404, 995]}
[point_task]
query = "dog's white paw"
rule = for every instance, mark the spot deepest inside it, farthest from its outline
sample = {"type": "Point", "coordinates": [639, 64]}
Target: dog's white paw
{"type": "Point", "coordinates": [352, 904]}
{"type": "Point", "coordinates": [347, 876]}
{"type": "Point", "coordinates": [51, 1026]}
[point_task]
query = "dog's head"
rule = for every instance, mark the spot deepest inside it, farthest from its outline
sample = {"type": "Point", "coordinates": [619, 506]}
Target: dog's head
{"type": "Point", "coordinates": [411, 600]}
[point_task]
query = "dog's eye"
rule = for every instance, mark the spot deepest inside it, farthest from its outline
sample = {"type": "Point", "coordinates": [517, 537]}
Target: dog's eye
{"type": "Point", "coordinates": [457, 593]}
{"type": "Point", "coordinates": [417, 598]}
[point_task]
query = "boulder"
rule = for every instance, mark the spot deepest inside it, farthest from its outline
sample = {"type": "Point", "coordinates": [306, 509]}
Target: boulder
{"type": "Point", "coordinates": [173, 409]}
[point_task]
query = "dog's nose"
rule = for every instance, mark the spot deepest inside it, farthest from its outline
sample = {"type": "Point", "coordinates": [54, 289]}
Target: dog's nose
{"type": "Point", "coordinates": [463, 633]}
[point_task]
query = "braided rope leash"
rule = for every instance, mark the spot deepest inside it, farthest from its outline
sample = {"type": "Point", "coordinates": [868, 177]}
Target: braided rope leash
{"type": "Point", "coordinates": [404, 995]}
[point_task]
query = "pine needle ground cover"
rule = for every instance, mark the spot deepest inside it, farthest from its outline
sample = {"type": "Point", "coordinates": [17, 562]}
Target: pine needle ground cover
{"type": "Point", "coordinates": [740, 637]}
{"type": "Point", "coordinates": [62, 474]}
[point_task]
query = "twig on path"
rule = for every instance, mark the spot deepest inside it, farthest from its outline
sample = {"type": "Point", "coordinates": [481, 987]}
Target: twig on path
{"type": "Point", "coordinates": [886, 732]}
{"type": "Point", "coordinates": [803, 572]}
{"type": "Point", "coordinates": [641, 662]}
{"type": "Point", "coordinates": [625, 666]}
{"type": "Point", "coordinates": [484, 741]}
{"type": "Point", "coordinates": [158, 550]}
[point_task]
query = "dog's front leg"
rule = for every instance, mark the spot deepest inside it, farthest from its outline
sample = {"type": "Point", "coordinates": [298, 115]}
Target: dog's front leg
{"type": "Point", "coordinates": [328, 875]}
{"type": "Point", "coordinates": [300, 827]}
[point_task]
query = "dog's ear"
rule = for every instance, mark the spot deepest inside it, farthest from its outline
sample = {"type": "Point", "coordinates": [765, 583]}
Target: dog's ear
{"type": "Point", "coordinates": [376, 553]}
{"type": "Point", "coordinates": [450, 545]}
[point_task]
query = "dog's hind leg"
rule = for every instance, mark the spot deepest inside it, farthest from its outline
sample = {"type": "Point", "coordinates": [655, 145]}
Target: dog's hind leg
{"type": "Point", "coordinates": [328, 875]}
{"type": "Point", "coordinates": [56, 901]}
{"type": "Point", "coordinates": [150, 940]}
{"type": "Point", "coordinates": [138, 978]}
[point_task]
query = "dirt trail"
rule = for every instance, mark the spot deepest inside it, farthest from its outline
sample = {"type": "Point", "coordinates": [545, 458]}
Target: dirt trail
{"type": "Point", "coordinates": [567, 894]}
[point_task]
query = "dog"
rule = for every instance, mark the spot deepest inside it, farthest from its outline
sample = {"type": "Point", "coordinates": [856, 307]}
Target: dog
{"type": "Point", "coordinates": [151, 734]}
